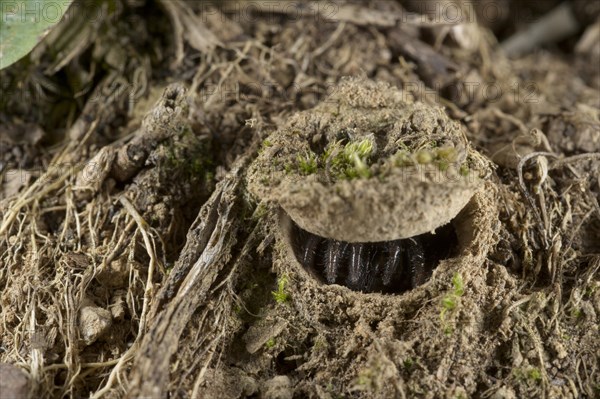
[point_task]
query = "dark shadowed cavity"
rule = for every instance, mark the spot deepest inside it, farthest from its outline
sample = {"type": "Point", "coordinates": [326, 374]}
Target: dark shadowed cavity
{"type": "Point", "coordinates": [390, 267]}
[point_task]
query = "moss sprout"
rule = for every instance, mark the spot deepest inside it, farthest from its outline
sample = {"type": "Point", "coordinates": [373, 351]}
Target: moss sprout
{"type": "Point", "coordinates": [533, 374]}
{"type": "Point", "coordinates": [464, 169]}
{"type": "Point", "coordinates": [450, 302]}
{"type": "Point", "coordinates": [443, 157]}
{"type": "Point", "coordinates": [402, 158]}
{"type": "Point", "coordinates": [307, 163]}
{"type": "Point", "coordinates": [424, 157]}
{"type": "Point", "coordinates": [351, 160]}
{"type": "Point", "coordinates": [281, 296]}
{"type": "Point", "coordinates": [448, 154]}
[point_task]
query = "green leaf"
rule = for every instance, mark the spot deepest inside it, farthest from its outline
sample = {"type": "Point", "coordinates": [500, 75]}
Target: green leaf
{"type": "Point", "coordinates": [24, 23]}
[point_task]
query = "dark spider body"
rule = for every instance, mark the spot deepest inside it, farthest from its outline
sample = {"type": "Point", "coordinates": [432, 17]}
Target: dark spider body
{"type": "Point", "coordinates": [388, 267]}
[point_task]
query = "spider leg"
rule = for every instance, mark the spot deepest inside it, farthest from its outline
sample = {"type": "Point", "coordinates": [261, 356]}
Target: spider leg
{"type": "Point", "coordinates": [305, 248]}
{"type": "Point", "coordinates": [372, 272]}
{"type": "Point", "coordinates": [394, 262]}
{"type": "Point", "coordinates": [416, 260]}
{"type": "Point", "coordinates": [359, 259]}
{"type": "Point", "coordinates": [336, 251]}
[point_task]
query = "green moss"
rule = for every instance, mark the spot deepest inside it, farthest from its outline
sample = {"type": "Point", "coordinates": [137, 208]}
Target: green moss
{"type": "Point", "coordinates": [424, 157]}
{"type": "Point", "coordinates": [450, 301]}
{"type": "Point", "coordinates": [447, 154]}
{"type": "Point", "coordinates": [281, 296]}
{"type": "Point", "coordinates": [307, 163]}
{"type": "Point", "coordinates": [444, 156]}
{"type": "Point", "coordinates": [361, 149]}
{"type": "Point", "coordinates": [264, 145]}
{"type": "Point", "coordinates": [320, 345]}
{"type": "Point", "coordinates": [270, 343]}
{"type": "Point", "coordinates": [260, 211]}
{"type": "Point", "coordinates": [350, 161]}
{"type": "Point", "coordinates": [188, 157]}
{"type": "Point", "coordinates": [533, 374]}
{"type": "Point", "coordinates": [457, 283]}
{"type": "Point", "coordinates": [590, 290]}
{"type": "Point", "coordinates": [366, 380]}
{"type": "Point", "coordinates": [402, 158]}
{"type": "Point", "coordinates": [427, 153]}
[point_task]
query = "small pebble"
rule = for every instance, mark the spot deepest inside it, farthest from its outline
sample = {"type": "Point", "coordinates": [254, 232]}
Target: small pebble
{"type": "Point", "coordinates": [14, 383]}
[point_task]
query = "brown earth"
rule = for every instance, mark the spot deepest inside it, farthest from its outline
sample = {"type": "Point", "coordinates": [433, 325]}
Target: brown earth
{"type": "Point", "coordinates": [143, 247]}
